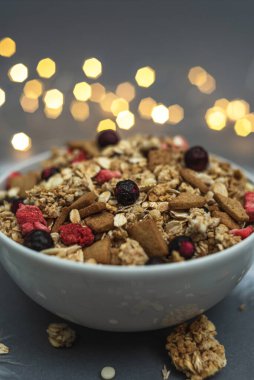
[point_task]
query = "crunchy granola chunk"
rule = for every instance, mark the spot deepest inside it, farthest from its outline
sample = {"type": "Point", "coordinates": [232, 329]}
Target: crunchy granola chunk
{"type": "Point", "coordinates": [60, 335]}
{"type": "Point", "coordinates": [194, 349]}
{"type": "Point", "coordinates": [131, 253]}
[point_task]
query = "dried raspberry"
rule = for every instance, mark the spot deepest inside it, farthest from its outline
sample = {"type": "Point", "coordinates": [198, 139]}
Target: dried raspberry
{"type": "Point", "coordinates": [74, 233]}
{"type": "Point", "coordinates": [249, 204]}
{"type": "Point", "coordinates": [28, 227]}
{"type": "Point", "coordinates": [243, 232]}
{"type": "Point", "coordinates": [9, 178]}
{"type": "Point", "coordinates": [30, 218]}
{"type": "Point", "coordinates": [79, 157]}
{"type": "Point", "coordinates": [106, 175]}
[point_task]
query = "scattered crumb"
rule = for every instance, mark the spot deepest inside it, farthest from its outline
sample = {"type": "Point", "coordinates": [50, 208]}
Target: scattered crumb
{"type": "Point", "coordinates": [165, 372]}
{"type": "Point", "coordinates": [60, 335]}
{"type": "Point", "coordinates": [4, 349]}
{"type": "Point", "coordinates": [108, 373]}
{"type": "Point", "coordinates": [242, 307]}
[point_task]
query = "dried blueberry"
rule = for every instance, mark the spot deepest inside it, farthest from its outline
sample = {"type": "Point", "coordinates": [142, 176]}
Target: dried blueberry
{"type": "Point", "coordinates": [108, 137]}
{"type": "Point", "coordinates": [48, 172]}
{"type": "Point", "coordinates": [15, 202]}
{"type": "Point", "coordinates": [196, 158]}
{"type": "Point", "coordinates": [183, 245]}
{"type": "Point", "coordinates": [38, 240]}
{"type": "Point", "coordinates": [126, 192]}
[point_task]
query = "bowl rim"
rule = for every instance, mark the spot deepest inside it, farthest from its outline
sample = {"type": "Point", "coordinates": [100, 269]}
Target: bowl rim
{"type": "Point", "coordinates": [45, 259]}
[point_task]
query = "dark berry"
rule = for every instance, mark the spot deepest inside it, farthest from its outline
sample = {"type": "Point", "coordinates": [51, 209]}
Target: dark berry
{"type": "Point", "coordinates": [155, 261]}
{"type": "Point", "coordinates": [196, 158]}
{"type": "Point", "coordinates": [126, 192]}
{"type": "Point", "coordinates": [15, 202]}
{"type": "Point", "coordinates": [183, 245]}
{"type": "Point", "coordinates": [38, 240]}
{"type": "Point", "coordinates": [48, 172]}
{"type": "Point", "coordinates": [108, 137]}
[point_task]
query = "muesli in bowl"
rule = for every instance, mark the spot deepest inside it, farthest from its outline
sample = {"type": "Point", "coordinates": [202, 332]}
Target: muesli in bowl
{"type": "Point", "coordinates": [139, 201]}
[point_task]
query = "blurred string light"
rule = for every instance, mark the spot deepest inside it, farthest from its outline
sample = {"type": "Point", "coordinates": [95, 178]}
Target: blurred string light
{"type": "Point", "coordinates": [216, 118]}
{"type": "Point", "coordinates": [82, 91]}
{"type": "Point", "coordinates": [53, 99]}
{"type": "Point", "coordinates": [145, 76]}
{"type": "Point", "coordinates": [92, 68]}
{"type": "Point", "coordinates": [52, 113]}
{"type": "Point", "coordinates": [79, 110]}
{"type": "Point", "coordinates": [2, 97]}
{"type": "Point", "coordinates": [28, 104]}
{"type": "Point", "coordinates": [105, 125]}
{"type": "Point", "coordinates": [7, 47]}
{"type": "Point", "coordinates": [176, 114]}
{"type": "Point", "coordinates": [21, 141]}
{"type": "Point", "coordinates": [209, 86]}
{"type": "Point", "coordinates": [46, 68]}
{"type": "Point", "coordinates": [126, 91]}
{"type": "Point", "coordinates": [160, 114]}
{"type": "Point", "coordinates": [145, 107]}
{"type": "Point", "coordinates": [237, 109]}
{"type": "Point", "coordinates": [222, 103]}
{"type": "Point", "coordinates": [97, 92]}
{"type": "Point", "coordinates": [118, 105]}
{"type": "Point", "coordinates": [199, 77]}
{"type": "Point", "coordinates": [107, 100]}
{"type": "Point", "coordinates": [18, 73]}
{"type": "Point", "coordinates": [250, 117]}
{"type": "Point", "coordinates": [125, 120]}
{"type": "Point", "coordinates": [33, 89]}
{"type": "Point", "coordinates": [243, 127]}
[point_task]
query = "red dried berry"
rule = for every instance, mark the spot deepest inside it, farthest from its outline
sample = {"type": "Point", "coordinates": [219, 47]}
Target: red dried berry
{"type": "Point", "coordinates": [74, 233]}
{"type": "Point", "coordinates": [106, 175]}
{"type": "Point", "coordinates": [183, 245]}
{"type": "Point", "coordinates": [243, 232]}
{"type": "Point", "coordinates": [30, 218]}
{"type": "Point", "coordinates": [28, 227]}
{"type": "Point", "coordinates": [9, 178]}
{"type": "Point", "coordinates": [79, 157]}
{"type": "Point", "coordinates": [249, 204]}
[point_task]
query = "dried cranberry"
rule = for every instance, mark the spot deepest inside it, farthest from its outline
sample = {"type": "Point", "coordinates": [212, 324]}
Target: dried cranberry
{"type": "Point", "coordinates": [49, 172]}
{"type": "Point", "coordinates": [108, 137]}
{"type": "Point", "coordinates": [196, 158]}
{"type": "Point", "coordinates": [126, 192]}
{"type": "Point", "coordinates": [183, 245]}
{"type": "Point", "coordinates": [38, 240]}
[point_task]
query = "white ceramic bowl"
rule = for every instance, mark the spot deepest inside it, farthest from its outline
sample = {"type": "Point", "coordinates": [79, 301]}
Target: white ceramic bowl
{"type": "Point", "coordinates": [124, 298]}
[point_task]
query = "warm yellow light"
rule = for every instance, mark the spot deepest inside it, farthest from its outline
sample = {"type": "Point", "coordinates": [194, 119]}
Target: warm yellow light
{"type": "Point", "coordinates": [92, 67]}
{"type": "Point", "coordinates": [46, 68]}
{"type": "Point", "coordinates": [52, 113]}
{"type": "Point", "coordinates": [160, 114]}
{"type": "Point", "coordinates": [79, 110]}
{"type": "Point", "coordinates": [216, 118]}
{"type": "Point", "coordinates": [119, 105]}
{"type": "Point", "coordinates": [33, 89]}
{"type": "Point", "coordinates": [107, 100]}
{"type": "Point", "coordinates": [7, 47]}
{"type": "Point", "coordinates": [125, 120]}
{"type": "Point", "coordinates": [105, 125]}
{"type": "Point", "coordinates": [2, 97]}
{"type": "Point", "coordinates": [222, 103]}
{"type": "Point", "coordinates": [197, 76]}
{"type": "Point", "coordinates": [145, 107]}
{"type": "Point", "coordinates": [250, 117]}
{"type": "Point", "coordinates": [126, 91]}
{"type": "Point", "coordinates": [18, 73]}
{"type": "Point", "coordinates": [82, 91]}
{"type": "Point", "coordinates": [208, 86]}
{"type": "Point", "coordinates": [243, 127]}
{"type": "Point", "coordinates": [176, 114]}
{"type": "Point", "coordinates": [28, 104]}
{"type": "Point", "coordinates": [21, 141]}
{"type": "Point", "coordinates": [237, 109]}
{"type": "Point", "coordinates": [53, 99]}
{"type": "Point", "coordinates": [145, 76]}
{"type": "Point", "coordinates": [97, 92]}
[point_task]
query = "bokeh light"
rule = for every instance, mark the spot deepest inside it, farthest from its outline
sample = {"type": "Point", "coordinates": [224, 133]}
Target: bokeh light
{"type": "Point", "coordinates": [197, 76]}
{"type": "Point", "coordinates": [216, 118]}
{"type": "Point", "coordinates": [52, 113]}
{"type": "Point", "coordinates": [176, 114]}
{"type": "Point", "coordinates": [208, 86]}
{"type": "Point", "coordinates": [7, 47]}
{"type": "Point", "coordinates": [237, 109]}
{"type": "Point", "coordinates": [125, 120]}
{"type": "Point", "coordinates": [28, 104]}
{"type": "Point", "coordinates": [92, 67]}
{"type": "Point", "coordinates": [21, 141]}
{"type": "Point", "coordinates": [160, 114]}
{"type": "Point", "coordinates": [18, 73]}
{"type": "Point", "coordinates": [79, 110]}
{"type": "Point", "coordinates": [145, 76]}
{"type": "Point", "coordinates": [222, 103]}
{"type": "Point", "coordinates": [2, 97]}
{"type": "Point", "coordinates": [105, 125]}
{"type": "Point", "coordinates": [46, 68]}
{"type": "Point", "coordinates": [243, 127]}
{"type": "Point", "coordinates": [126, 91]}
{"type": "Point", "coordinates": [107, 100]}
{"type": "Point", "coordinates": [82, 91]}
{"type": "Point", "coordinates": [33, 89]}
{"type": "Point", "coordinates": [119, 105]}
{"type": "Point", "coordinates": [53, 99]}
{"type": "Point", "coordinates": [250, 117]}
{"type": "Point", "coordinates": [97, 92]}
{"type": "Point", "coordinates": [145, 107]}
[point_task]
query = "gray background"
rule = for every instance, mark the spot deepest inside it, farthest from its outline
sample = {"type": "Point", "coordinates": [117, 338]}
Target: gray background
{"type": "Point", "coordinates": [171, 36]}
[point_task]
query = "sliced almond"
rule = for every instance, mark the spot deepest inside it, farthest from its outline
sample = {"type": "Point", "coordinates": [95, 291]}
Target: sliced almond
{"type": "Point", "coordinates": [74, 216]}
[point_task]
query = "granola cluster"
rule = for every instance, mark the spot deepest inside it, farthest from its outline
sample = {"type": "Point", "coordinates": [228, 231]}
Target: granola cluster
{"type": "Point", "coordinates": [77, 196]}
